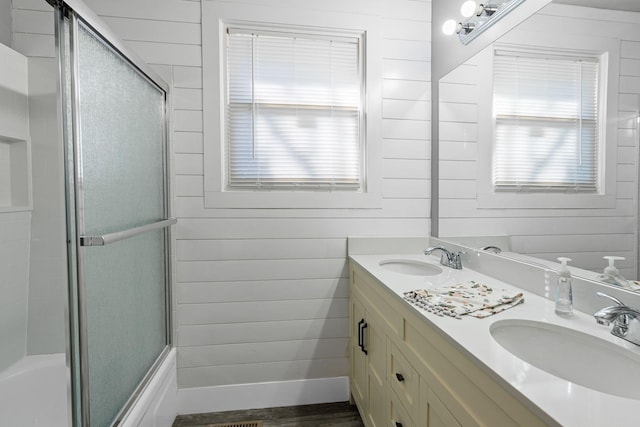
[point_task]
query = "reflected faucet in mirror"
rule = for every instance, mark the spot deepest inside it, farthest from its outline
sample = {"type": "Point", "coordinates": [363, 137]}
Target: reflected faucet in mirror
{"type": "Point", "coordinates": [491, 248]}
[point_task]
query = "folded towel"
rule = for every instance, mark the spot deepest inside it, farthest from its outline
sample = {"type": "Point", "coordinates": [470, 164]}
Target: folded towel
{"type": "Point", "coordinates": [468, 298]}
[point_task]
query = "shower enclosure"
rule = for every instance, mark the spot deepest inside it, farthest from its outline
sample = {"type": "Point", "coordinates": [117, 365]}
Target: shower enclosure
{"type": "Point", "coordinates": [114, 127]}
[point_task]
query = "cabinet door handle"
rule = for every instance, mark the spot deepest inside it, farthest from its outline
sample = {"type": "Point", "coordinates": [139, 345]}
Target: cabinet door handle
{"type": "Point", "coordinates": [360, 334]}
{"type": "Point", "coordinates": [400, 377]}
{"type": "Point", "coordinates": [364, 350]}
{"type": "Point", "coordinates": [398, 424]}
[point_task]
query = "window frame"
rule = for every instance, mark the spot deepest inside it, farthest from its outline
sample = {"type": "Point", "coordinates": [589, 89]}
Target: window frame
{"type": "Point", "coordinates": [605, 196]}
{"type": "Point", "coordinates": [316, 33]}
{"type": "Point", "coordinates": [216, 16]}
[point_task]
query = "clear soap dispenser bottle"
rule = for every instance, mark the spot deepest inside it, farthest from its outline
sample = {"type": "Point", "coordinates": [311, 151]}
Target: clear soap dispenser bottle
{"type": "Point", "coordinates": [612, 274]}
{"type": "Point", "coordinates": [564, 294]}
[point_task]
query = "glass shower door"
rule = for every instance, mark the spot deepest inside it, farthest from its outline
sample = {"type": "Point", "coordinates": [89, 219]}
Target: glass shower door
{"type": "Point", "coordinates": [116, 134]}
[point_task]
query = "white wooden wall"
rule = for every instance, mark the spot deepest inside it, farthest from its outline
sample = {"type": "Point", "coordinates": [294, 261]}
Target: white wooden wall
{"type": "Point", "coordinates": [584, 235]}
{"type": "Point", "coordinates": [262, 294]}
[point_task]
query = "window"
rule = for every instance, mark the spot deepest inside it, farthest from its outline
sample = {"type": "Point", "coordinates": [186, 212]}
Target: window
{"type": "Point", "coordinates": [547, 125]}
{"type": "Point", "coordinates": [291, 106]}
{"type": "Point", "coordinates": [293, 109]}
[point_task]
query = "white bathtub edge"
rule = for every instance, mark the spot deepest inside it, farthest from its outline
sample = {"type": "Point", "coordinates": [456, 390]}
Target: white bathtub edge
{"type": "Point", "coordinates": [33, 392]}
{"type": "Point", "coordinates": [262, 395]}
{"type": "Point", "coordinates": [158, 404]}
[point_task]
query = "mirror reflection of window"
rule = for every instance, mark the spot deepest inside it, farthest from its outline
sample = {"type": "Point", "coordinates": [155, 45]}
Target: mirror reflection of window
{"type": "Point", "coordinates": [546, 121]}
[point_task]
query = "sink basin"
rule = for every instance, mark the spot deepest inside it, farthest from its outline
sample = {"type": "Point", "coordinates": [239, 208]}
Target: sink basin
{"type": "Point", "coordinates": [411, 267]}
{"type": "Point", "coordinates": [571, 355]}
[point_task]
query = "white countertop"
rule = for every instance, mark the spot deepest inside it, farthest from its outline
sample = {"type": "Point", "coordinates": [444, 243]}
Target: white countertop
{"type": "Point", "coordinates": [553, 398]}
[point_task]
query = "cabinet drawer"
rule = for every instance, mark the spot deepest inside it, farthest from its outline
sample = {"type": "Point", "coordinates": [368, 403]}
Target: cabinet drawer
{"type": "Point", "coordinates": [404, 380]}
{"type": "Point", "coordinates": [398, 415]}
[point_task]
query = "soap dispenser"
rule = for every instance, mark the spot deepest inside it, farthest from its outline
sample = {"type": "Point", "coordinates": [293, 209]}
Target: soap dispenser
{"type": "Point", "coordinates": [564, 294]}
{"type": "Point", "coordinates": [611, 274]}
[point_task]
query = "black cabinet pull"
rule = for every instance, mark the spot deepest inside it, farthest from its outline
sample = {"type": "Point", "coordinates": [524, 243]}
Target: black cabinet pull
{"type": "Point", "coordinates": [361, 326]}
{"type": "Point", "coordinates": [398, 424]}
{"type": "Point", "coordinates": [399, 377]}
{"type": "Point", "coordinates": [364, 350]}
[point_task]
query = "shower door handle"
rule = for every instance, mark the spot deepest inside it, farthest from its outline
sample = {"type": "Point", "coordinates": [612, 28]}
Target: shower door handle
{"type": "Point", "coordinates": [121, 235]}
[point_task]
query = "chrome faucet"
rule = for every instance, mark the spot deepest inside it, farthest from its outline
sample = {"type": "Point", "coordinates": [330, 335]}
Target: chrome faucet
{"type": "Point", "coordinates": [621, 316]}
{"type": "Point", "coordinates": [450, 259]}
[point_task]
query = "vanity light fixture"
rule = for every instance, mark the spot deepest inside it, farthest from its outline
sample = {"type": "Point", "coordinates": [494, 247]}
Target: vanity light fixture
{"type": "Point", "coordinates": [479, 18]}
{"type": "Point", "coordinates": [486, 9]}
{"type": "Point", "coordinates": [465, 28]}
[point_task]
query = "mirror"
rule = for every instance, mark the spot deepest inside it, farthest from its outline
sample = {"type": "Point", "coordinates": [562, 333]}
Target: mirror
{"type": "Point", "coordinates": [546, 223]}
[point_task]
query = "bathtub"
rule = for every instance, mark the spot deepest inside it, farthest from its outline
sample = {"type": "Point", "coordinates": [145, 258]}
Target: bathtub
{"type": "Point", "coordinates": [33, 392]}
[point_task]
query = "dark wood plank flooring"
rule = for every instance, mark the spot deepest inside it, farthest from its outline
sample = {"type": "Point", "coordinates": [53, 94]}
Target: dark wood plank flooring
{"type": "Point", "coordinates": [340, 414]}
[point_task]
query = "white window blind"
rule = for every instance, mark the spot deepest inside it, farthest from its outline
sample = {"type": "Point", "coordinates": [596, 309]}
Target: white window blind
{"type": "Point", "coordinates": [293, 110]}
{"type": "Point", "coordinates": [546, 122]}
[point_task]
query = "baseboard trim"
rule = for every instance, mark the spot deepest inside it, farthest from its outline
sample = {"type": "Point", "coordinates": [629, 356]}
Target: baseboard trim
{"type": "Point", "coordinates": [262, 395]}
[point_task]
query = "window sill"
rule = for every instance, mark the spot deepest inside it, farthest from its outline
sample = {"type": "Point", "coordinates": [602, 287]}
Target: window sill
{"type": "Point", "coordinates": [291, 200]}
{"type": "Point", "coordinates": [538, 200]}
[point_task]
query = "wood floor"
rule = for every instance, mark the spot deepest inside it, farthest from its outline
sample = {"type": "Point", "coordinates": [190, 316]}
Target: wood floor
{"type": "Point", "coordinates": [326, 415]}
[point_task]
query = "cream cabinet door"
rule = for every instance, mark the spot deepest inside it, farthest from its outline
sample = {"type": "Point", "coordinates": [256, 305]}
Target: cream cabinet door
{"type": "Point", "coordinates": [368, 363]}
{"type": "Point", "coordinates": [437, 414]}
{"type": "Point", "coordinates": [375, 344]}
{"type": "Point", "coordinates": [359, 369]}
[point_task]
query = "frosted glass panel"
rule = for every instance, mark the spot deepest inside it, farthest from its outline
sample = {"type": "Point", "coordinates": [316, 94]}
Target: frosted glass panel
{"type": "Point", "coordinates": [121, 186]}
{"type": "Point", "coordinates": [125, 319]}
{"type": "Point", "coordinates": [122, 128]}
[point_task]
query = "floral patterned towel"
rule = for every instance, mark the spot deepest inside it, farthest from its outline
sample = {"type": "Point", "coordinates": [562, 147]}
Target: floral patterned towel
{"type": "Point", "coordinates": [468, 298]}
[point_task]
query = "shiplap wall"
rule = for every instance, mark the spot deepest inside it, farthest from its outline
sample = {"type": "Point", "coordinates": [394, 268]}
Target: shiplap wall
{"type": "Point", "coordinates": [585, 235]}
{"type": "Point", "coordinates": [262, 294]}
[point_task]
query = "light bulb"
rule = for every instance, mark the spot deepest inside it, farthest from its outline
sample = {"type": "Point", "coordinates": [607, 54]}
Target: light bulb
{"type": "Point", "coordinates": [449, 27]}
{"type": "Point", "coordinates": [468, 8]}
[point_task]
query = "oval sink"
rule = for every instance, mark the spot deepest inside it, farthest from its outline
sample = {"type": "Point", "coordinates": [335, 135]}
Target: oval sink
{"type": "Point", "coordinates": [574, 356]}
{"type": "Point", "coordinates": [411, 267]}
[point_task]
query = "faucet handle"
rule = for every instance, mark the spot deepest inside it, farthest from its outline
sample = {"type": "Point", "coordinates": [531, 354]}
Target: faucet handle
{"type": "Point", "coordinates": [456, 261]}
{"type": "Point", "coordinates": [614, 299]}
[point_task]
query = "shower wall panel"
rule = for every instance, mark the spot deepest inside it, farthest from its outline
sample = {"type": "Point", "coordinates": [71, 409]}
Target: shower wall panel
{"type": "Point", "coordinates": [14, 286]}
{"type": "Point", "coordinates": [14, 220]}
{"type": "Point", "coordinates": [48, 265]}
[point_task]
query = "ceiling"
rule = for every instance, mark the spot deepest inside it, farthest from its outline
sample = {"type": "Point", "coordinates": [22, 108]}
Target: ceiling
{"type": "Point", "coordinates": [630, 5]}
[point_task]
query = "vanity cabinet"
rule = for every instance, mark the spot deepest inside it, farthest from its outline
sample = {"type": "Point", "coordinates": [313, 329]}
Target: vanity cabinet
{"type": "Point", "coordinates": [405, 373]}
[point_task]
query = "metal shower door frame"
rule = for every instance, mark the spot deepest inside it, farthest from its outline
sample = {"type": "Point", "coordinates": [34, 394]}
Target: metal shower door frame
{"type": "Point", "coordinates": [77, 13]}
